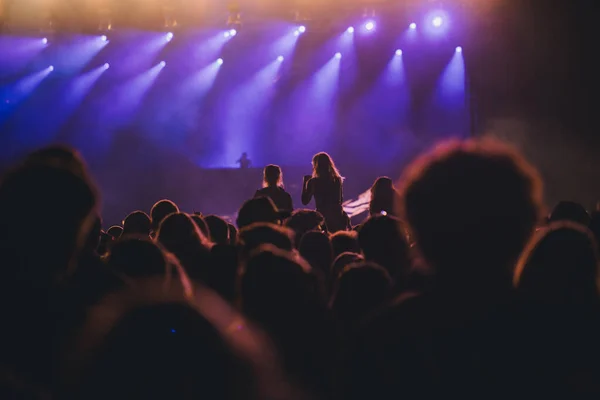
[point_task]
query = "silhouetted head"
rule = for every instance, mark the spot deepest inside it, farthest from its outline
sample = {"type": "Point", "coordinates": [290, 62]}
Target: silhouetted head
{"type": "Point", "coordinates": [160, 211]}
{"type": "Point", "coordinates": [272, 176]}
{"type": "Point", "coordinates": [345, 241]}
{"type": "Point", "coordinates": [324, 167]}
{"type": "Point", "coordinates": [253, 236]}
{"type": "Point", "coordinates": [384, 197]}
{"type": "Point", "coordinates": [302, 221]}
{"type": "Point", "coordinates": [279, 292]}
{"type": "Point", "coordinates": [315, 247]}
{"type": "Point", "coordinates": [137, 256]}
{"type": "Point", "coordinates": [137, 223]}
{"type": "Point", "coordinates": [67, 200]}
{"type": "Point", "coordinates": [383, 241]}
{"type": "Point", "coordinates": [570, 211]}
{"type": "Point", "coordinates": [360, 289]}
{"type": "Point", "coordinates": [218, 228]}
{"type": "Point", "coordinates": [559, 266]}
{"type": "Point", "coordinates": [471, 207]}
{"type": "Point", "coordinates": [180, 235]}
{"type": "Point", "coordinates": [115, 231]}
{"type": "Point", "coordinates": [341, 262]}
{"type": "Point", "coordinates": [59, 156]}
{"type": "Point", "coordinates": [201, 224]}
{"type": "Point", "coordinates": [259, 209]}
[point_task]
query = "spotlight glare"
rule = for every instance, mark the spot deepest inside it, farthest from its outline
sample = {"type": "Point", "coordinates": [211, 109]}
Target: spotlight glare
{"type": "Point", "coordinates": [232, 32]}
{"type": "Point", "coordinates": [169, 36]}
{"type": "Point", "coordinates": [296, 33]}
{"type": "Point", "coordinates": [338, 55]}
{"type": "Point", "coordinates": [280, 58]}
{"type": "Point", "coordinates": [302, 29]}
{"type": "Point", "coordinates": [350, 29]}
{"type": "Point", "coordinates": [163, 64]}
{"type": "Point", "coordinates": [437, 22]}
{"type": "Point", "coordinates": [51, 68]}
{"type": "Point", "coordinates": [398, 52]}
{"type": "Point", "coordinates": [459, 49]}
{"type": "Point", "coordinates": [45, 41]}
{"type": "Point", "coordinates": [227, 34]}
{"type": "Point", "coordinates": [413, 26]}
{"type": "Point", "coordinates": [370, 25]}
{"type": "Point", "coordinates": [219, 61]}
{"type": "Point", "coordinates": [103, 38]}
{"type": "Point", "coordinates": [106, 66]}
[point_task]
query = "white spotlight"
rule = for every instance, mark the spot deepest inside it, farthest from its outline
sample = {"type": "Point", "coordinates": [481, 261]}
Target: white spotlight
{"type": "Point", "coordinates": [51, 68]}
{"type": "Point", "coordinates": [338, 55]}
{"type": "Point", "coordinates": [232, 32]}
{"type": "Point", "coordinates": [45, 41]}
{"type": "Point", "coordinates": [302, 29]}
{"type": "Point", "coordinates": [106, 66]}
{"type": "Point", "coordinates": [459, 49]}
{"type": "Point", "coordinates": [163, 64]}
{"type": "Point", "coordinates": [398, 52]}
{"type": "Point", "coordinates": [169, 36]}
{"type": "Point", "coordinates": [280, 58]}
{"type": "Point", "coordinates": [219, 61]}
{"type": "Point", "coordinates": [350, 29]}
{"type": "Point", "coordinates": [104, 38]}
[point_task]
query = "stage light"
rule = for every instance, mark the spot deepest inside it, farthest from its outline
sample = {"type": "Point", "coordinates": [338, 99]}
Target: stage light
{"type": "Point", "coordinates": [169, 36]}
{"type": "Point", "coordinates": [437, 22]}
{"type": "Point", "coordinates": [350, 30]}
{"type": "Point", "coordinates": [51, 68]}
{"type": "Point", "coordinates": [220, 61]}
{"type": "Point", "coordinates": [104, 38]}
{"type": "Point", "coordinates": [280, 58]}
{"type": "Point", "coordinates": [370, 25]}
{"type": "Point", "coordinates": [459, 49]}
{"type": "Point", "coordinates": [45, 41]}
{"type": "Point", "coordinates": [163, 64]}
{"type": "Point", "coordinates": [106, 66]}
{"type": "Point", "coordinates": [338, 55]}
{"type": "Point", "coordinates": [232, 32]}
{"type": "Point", "coordinates": [302, 29]}
{"type": "Point", "coordinates": [413, 26]}
{"type": "Point", "coordinates": [398, 52]}
{"type": "Point", "coordinates": [227, 34]}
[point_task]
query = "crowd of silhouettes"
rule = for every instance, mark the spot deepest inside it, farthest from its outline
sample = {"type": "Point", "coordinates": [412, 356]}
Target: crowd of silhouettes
{"type": "Point", "coordinates": [457, 283]}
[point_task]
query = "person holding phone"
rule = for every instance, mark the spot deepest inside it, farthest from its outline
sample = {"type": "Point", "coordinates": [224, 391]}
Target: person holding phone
{"type": "Point", "coordinates": [326, 186]}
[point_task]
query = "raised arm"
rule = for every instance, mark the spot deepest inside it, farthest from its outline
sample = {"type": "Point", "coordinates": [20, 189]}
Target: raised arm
{"type": "Point", "coordinates": [307, 190]}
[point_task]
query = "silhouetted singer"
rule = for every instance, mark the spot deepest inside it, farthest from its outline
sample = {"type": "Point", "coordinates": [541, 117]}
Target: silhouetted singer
{"type": "Point", "coordinates": [244, 161]}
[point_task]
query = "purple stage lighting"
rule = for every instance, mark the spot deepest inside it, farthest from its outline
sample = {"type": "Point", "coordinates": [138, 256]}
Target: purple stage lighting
{"type": "Point", "coordinates": [437, 21]}
{"type": "Point", "coordinates": [398, 52]}
{"type": "Point", "coordinates": [106, 66]}
{"type": "Point", "coordinates": [45, 41]}
{"type": "Point", "coordinates": [162, 64]}
{"type": "Point", "coordinates": [350, 30]}
{"type": "Point", "coordinates": [220, 61]}
{"type": "Point", "coordinates": [459, 49]}
{"type": "Point", "coordinates": [104, 38]}
{"type": "Point", "coordinates": [51, 68]}
{"type": "Point", "coordinates": [280, 58]}
{"type": "Point", "coordinates": [169, 36]}
{"type": "Point", "coordinates": [302, 29]}
{"type": "Point", "coordinates": [370, 25]}
{"type": "Point", "coordinates": [232, 32]}
{"type": "Point", "coordinates": [413, 26]}
{"type": "Point", "coordinates": [338, 55]}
